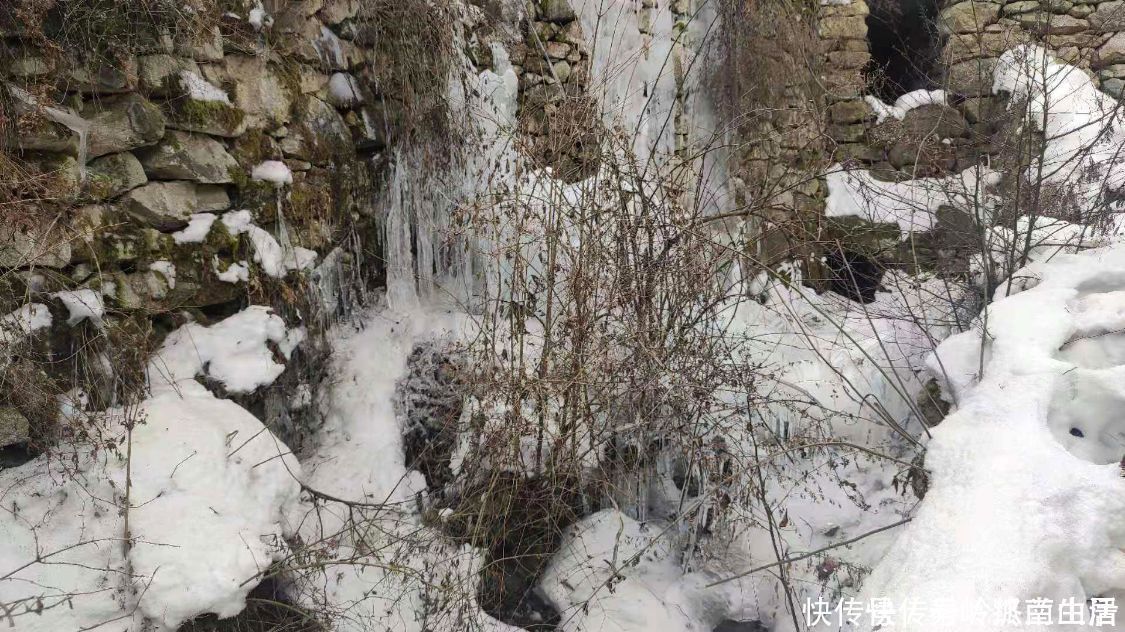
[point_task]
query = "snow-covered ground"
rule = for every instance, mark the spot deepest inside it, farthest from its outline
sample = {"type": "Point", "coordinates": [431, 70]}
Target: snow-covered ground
{"type": "Point", "coordinates": [1025, 499]}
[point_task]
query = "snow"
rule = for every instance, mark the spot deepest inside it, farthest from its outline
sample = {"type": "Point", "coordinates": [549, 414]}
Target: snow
{"type": "Point", "coordinates": [24, 321]}
{"type": "Point", "coordinates": [1019, 506]}
{"type": "Point", "coordinates": [360, 459]}
{"type": "Point", "coordinates": [209, 489]}
{"type": "Point", "coordinates": [275, 260]}
{"type": "Point", "coordinates": [209, 459]}
{"type": "Point", "coordinates": [200, 89]}
{"type": "Point", "coordinates": [199, 224]}
{"type": "Point", "coordinates": [258, 17]}
{"type": "Point", "coordinates": [273, 171]}
{"type": "Point", "coordinates": [912, 204]}
{"type": "Point", "coordinates": [903, 104]}
{"type": "Point", "coordinates": [167, 269]}
{"type": "Point", "coordinates": [238, 272]}
{"type": "Point", "coordinates": [1083, 126]}
{"type": "Point", "coordinates": [344, 89]}
{"type": "Point", "coordinates": [235, 352]}
{"type": "Point", "coordinates": [82, 304]}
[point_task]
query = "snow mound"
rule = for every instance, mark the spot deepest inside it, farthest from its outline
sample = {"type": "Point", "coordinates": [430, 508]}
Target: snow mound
{"type": "Point", "coordinates": [273, 171]}
{"type": "Point", "coordinates": [615, 574]}
{"type": "Point", "coordinates": [1026, 494]}
{"type": "Point", "coordinates": [199, 224]}
{"type": "Point", "coordinates": [205, 488]}
{"type": "Point", "coordinates": [1082, 125]}
{"type": "Point", "coordinates": [235, 352]}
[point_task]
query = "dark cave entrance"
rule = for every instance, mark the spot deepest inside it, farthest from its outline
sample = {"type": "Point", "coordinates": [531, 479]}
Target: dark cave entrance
{"type": "Point", "coordinates": [853, 275]}
{"type": "Point", "coordinates": [904, 45]}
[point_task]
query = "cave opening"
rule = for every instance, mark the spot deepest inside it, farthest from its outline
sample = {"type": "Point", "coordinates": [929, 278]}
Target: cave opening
{"type": "Point", "coordinates": [853, 275]}
{"type": "Point", "coordinates": [904, 43]}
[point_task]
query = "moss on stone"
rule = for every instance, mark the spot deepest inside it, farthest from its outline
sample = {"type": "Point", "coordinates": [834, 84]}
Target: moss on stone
{"type": "Point", "coordinates": [212, 117]}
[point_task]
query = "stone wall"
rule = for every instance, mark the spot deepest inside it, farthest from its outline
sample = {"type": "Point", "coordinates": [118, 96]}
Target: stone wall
{"type": "Point", "coordinates": [557, 117]}
{"type": "Point", "coordinates": [113, 162]}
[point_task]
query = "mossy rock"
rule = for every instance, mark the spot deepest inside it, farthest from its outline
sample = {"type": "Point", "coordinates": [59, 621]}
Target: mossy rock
{"type": "Point", "coordinates": [208, 117]}
{"type": "Point", "coordinates": [111, 175]}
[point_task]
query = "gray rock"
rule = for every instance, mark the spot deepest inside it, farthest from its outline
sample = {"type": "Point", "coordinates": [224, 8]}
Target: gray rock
{"type": "Point", "coordinates": [1109, 17]}
{"type": "Point", "coordinates": [185, 156]}
{"type": "Point", "coordinates": [971, 78]}
{"type": "Point", "coordinates": [158, 75]}
{"type": "Point", "coordinates": [14, 427]}
{"type": "Point", "coordinates": [99, 77]}
{"type": "Point", "coordinates": [1043, 22]}
{"type": "Point", "coordinates": [166, 206]}
{"type": "Point", "coordinates": [968, 17]}
{"type": "Point", "coordinates": [319, 133]}
{"type": "Point", "coordinates": [334, 12]}
{"type": "Point", "coordinates": [208, 117]}
{"type": "Point", "coordinates": [123, 123]}
{"type": "Point", "coordinates": [1112, 52]}
{"type": "Point", "coordinates": [200, 45]}
{"type": "Point", "coordinates": [258, 89]}
{"type": "Point", "coordinates": [851, 111]}
{"type": "Point", "coordinates": [111, 175]}
{"type": "Point", "coordinates": [557, 11]}
{"type": "Point", "coordinates": [42, 246]}
{"type": "Point", "coordinates": [842, 27]}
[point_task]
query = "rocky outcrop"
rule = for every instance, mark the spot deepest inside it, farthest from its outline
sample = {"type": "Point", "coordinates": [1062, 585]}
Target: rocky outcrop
{"type": "Point", "coordinates": [184, 156]}
{"type": "Point", "coordinates": [122, 123]}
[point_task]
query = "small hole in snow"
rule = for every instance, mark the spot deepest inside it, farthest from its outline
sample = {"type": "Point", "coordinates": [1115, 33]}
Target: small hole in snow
{"type": "Point", "coordinates": [1075, 432]}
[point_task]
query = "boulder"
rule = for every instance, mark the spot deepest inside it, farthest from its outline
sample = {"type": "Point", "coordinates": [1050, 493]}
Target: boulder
{"type": "Point", "coordinates": [42, 246]}
{"type": "Point", "coordinates": [200, 45]}
{"type": "Point", "coordinates": [97, 76]}
{"type": "Point", "coordinates": [208, 117]}
{"type": "Point", "coordinates": [1109, 17]}
{"type": "Point", "coordinates": [967, 46]}
{"type": "Point", "coordinates": [113, 174]}
{"type": "Point", "coordinates": [186, 156]}
{"type": "Point", "coordinates": [848, 59]}
{"type": "Point", "coordinates": [556, 11]}
{"type": "Point", "coordinates": [851, 111]}
{"type": "Point", "coordinates": [42, 134]}
{"type": "Point", "coordinates": [968, 17]}
{"type": "Point", "coordinates": [14, 428]}
{"type": "Point", "coordinates": [971, 78]}
{"type": "Point", "coordinates": [1043, 22]}
{"type": "Point", "coordinates": [842, 27]}
{"type": "Point", "coordinates": [166, 206]}
{"type": "Point", "coordinates": [158, 75]}
{"type": "Point", "coordinates": [28, 64]}
{"type": "Point", "coordinates": [1112, 52]}
{"type": "Point", "coordinates": [122, 123]}
{"type": "Point", "coordinates": [257, 89]}
{"type": "Point", "coordinates": [319, 134]}
{"type": "Point", "coordinates": [334, 12]}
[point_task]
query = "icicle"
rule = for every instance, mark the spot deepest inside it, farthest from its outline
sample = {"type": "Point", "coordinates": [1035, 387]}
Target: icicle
{"type": "Point", "coordinates": [400, 260]}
